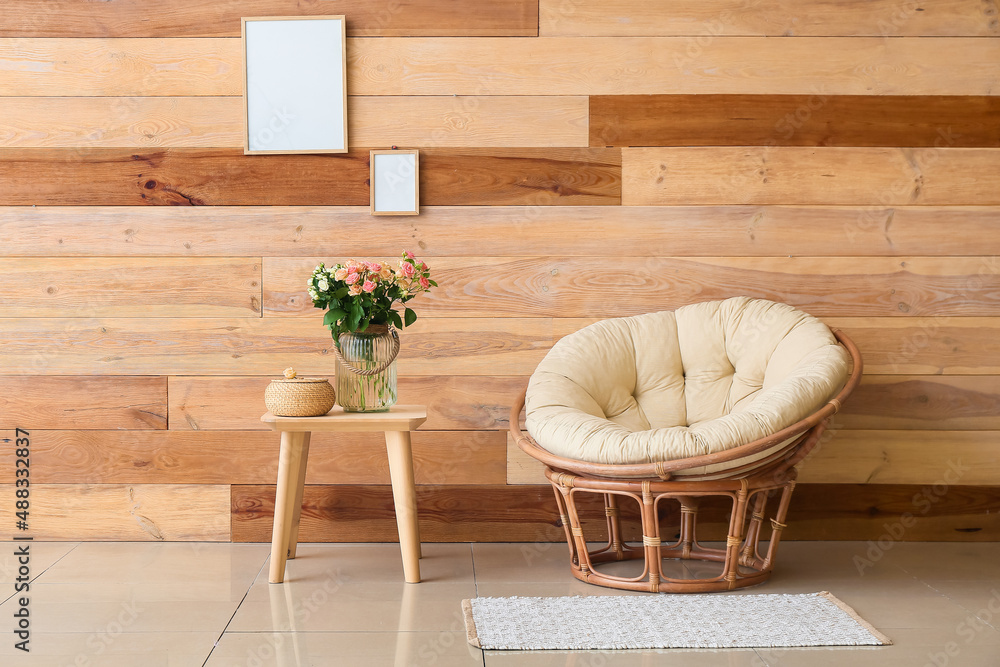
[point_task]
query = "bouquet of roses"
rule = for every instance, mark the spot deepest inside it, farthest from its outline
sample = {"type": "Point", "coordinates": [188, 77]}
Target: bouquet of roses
{"type": "Point", "coordinates": [356, 294]}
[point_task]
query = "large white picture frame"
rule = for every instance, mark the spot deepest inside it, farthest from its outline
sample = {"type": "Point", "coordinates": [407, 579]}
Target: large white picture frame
{"type": "Point", "coordinates": [295, 84]}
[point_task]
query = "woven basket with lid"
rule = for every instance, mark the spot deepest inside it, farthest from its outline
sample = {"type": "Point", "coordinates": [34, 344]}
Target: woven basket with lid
{"type": "Point", "coordinates": [299, 397]}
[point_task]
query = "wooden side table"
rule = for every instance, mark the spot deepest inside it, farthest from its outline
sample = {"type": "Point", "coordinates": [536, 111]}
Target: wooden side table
{"type": "Point", "coordinates": [295, 433]}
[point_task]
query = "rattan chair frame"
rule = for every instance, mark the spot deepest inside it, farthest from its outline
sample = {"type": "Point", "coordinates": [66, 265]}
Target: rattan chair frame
{"type": "Point", "coordinates": [750, 485]}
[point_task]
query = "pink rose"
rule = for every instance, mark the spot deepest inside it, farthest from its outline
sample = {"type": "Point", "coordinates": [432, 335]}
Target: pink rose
{"type": "Point", "coordinates": [354, 290]}
{"type": "Point", "coordinates": [408, 269]}
{"type": "Point", "coordinates": [369, 286]}
{"type": "Point", "coordinates": [424, 282]}
{"type": "Point", "coordinates": [351, 278]}
{"type": "Point", "coordinates": [423, 267]}
{"type": "Point", "coordinates": [340, 273]}
{"type": "Point", "coordinates": [409, 255]}
{"type": "Point", "coordinates": [374, 267]}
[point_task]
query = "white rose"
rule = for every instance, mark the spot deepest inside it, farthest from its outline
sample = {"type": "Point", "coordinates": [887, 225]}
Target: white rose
{"type": "Point", "coordinates": [323, 286]}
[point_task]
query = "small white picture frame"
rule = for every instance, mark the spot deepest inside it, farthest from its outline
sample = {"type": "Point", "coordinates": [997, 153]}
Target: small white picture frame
{"type": "Point", "coordinates": [295, 84]}
{"type": "Point", "coordinates": [394, 179]}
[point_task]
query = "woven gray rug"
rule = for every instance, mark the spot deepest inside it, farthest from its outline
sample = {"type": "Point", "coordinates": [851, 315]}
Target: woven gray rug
{"type": "Point", "coordinates": [666, 621]}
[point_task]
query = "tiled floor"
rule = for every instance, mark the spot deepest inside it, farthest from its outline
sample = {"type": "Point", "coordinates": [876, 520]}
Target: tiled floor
{"type": "Point", "coordinates": [173, 605]}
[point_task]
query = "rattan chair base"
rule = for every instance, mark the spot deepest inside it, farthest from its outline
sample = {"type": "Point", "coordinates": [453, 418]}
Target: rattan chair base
{"type": "Point", "coordinates": [742, 563]}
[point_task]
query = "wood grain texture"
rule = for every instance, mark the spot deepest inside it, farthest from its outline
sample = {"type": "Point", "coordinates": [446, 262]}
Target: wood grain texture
{"type": "Point", "coordinates": [454, 402]}
{"type": "Point", "coordinates": [528, 514]}
{"type": "Point", "coordinates": [130, 513]}
{"type": "Point", "coordinates": [468, 121]}
{"type": "Point", "coordinates": [255, 346]}
{"type": "Point", "coordinates": [902, 345]}
{"type": "Point", "coordinates": [810, 176]}
{"type": "Point", "coordinates": [193, 18]}
{"type": "Point", "coordinates": [794, 120]}
{"type": "Point", "coordinates": [153, 122]}
{"type": "Point", "coordinates": [905, 457]}
{"type": "Point", "coordinates": [924, 402]}
{"type": "Point", "coordinates": [926, 345]}
{"type": "Point", "coordinates": [673, 65]}
{"type": "Point", "coordinates": [251, 457]}
{"type": "Point", "coordinates": [482, 66]}
{"type": "Point", "coordinates": [120, 67]}
{"type": "Point", "coordinates": [698, 18]}
{"type": "Point", "coordinates": [179, 177]}
{"type": "Point", "coordinates": [129, 287]}
{"type": "Point", "coordinates": [33, 402]}
{"type": "Point", "coordinates": [134, 122]}
{"type": "Point", "coordinates": [577, 287]}
{"type": "Point", "coordinates": [510, 177]}
{"type": "Point", "coordinates": [203, 177]}
{"type": "Point", "coordinates": [454, 231]}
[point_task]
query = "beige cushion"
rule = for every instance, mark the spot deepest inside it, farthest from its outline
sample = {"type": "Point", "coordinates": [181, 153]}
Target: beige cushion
{"type": "Point", "coordinates": [672, 385]}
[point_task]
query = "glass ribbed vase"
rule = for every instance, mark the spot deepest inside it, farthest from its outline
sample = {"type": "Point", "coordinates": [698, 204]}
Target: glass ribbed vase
{"type": "Point", "coordinates": [366, 369]}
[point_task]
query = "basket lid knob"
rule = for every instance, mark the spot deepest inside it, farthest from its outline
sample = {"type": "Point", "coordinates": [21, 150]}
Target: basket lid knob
{"type": "Point", "coordinates": [290, 373]}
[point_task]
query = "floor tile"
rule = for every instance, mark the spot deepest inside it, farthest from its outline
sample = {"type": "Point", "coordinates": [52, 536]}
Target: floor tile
{"type": "Point", "coordinates": [190, 564]}
{"type": "Point", "coordinates": [155, 649]}
{"type": "Point", "coordinates": [949, 561]}
{"type": "Point", "coordinates": [371, 649]}
{"type": "Point", "coordinates": [543, 561]}
{"type": "Point", "coordinates": [42, 555]}
{"type": "Point", "coordinates": [981, 598]}
{"type": "Point", "coordinates": [54, 609]}
{"type": "Point", "coordinates": [367, 607]}
{"type": "Point", "coordinates": [378, 563]}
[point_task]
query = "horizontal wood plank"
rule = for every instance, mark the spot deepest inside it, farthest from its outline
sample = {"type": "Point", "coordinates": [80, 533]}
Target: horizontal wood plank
{"type": "Point", "coordinates": [129, 287]}
{"type": "Point", "coordinates": [39, 402]}
{"type": "Point", "coordinates": [570, 287]}
{"type": "Point", "coordinates": [73, 67]}
{"type": "Point", "coordinates": [251, 457]}
{"type": "Point", "coordinates": [704, 19]}
{"type": "Point", "coordinates": [576, 231]}
{"type": "Point", "coordinates": [810, 176]}
{"type": "Point", "coordinates": [154, 122]}
{"type": "Point", "coordinates": [447, 346]}
{"type": "Point", "coordinates": [674, 65]}
{"type": "Point", "coordinates": [206, 177]}
{"type": "Point", "coordinates": [128, 513]}
{"type": "Point", "coordinates": [194, 18]}
{"type": "Point", "coordinates": [924, 402]}
{"type": "Point", "coordinates": [255, 346]}
{"type": "Point", "coordinates": [905, 457]}
{"type": "Point", "coordinates": [454, 402]}
{"type": "Point", "coordinates": [794, 120]}
{"type": "Point", "coordinates": [528, 514]}
{"type": "Point", "coordinates": [481, 66]}
{"type": "Point", "coordinates": [926, 345]}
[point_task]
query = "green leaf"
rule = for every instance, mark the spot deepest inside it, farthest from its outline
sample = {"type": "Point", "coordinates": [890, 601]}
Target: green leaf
{"type": "Point", "coordinates": [340, 294]}
{"type": "Point", "coordinates": [409, 317]}
{"type": "Point", "coordinates": [396, 321]}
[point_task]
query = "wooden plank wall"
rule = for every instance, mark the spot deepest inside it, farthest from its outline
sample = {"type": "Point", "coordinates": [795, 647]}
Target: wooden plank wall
{"type": "Point", "coordinates": [581, 159]}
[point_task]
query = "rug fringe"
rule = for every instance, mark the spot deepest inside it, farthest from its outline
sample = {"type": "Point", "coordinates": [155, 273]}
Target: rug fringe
{"type": "Point", "coordinates": [847, 609]}
{"type": "Point", "coordinates": [470, 624]}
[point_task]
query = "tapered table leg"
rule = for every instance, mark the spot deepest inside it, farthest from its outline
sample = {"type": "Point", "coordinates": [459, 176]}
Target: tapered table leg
{"type": "Point", "coordinates": [405, 498]}
{"type": "Point", "coordinates": [284, 502]}
{"type": "Point", "coordinates": [293, 533]}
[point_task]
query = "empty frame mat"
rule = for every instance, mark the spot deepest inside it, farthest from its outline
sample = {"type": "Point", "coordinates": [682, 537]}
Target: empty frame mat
{"type": "Point", "coordinates": [395, 182]}
{"type": "Point", "coordinates": [295, 84]}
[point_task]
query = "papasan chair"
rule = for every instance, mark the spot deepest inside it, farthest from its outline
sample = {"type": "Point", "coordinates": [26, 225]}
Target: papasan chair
{"type": "Point", "coordinates": [716, 399]}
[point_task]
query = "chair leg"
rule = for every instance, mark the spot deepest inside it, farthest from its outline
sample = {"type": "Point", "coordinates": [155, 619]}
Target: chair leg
{"type": "Point", "coordinates": [689, 519]}
{"type": "Point", "coordinates": [651, 537]}
{"type": "Point", "coordinates": [613, 513]}
{"type": "Point", "coordinates": [749, 557]}
{"type": "Point", "coordinates": [564, 520]}
{"type": "Point", "coordinates": [731, 570]}
{"type": "Point", "coordinates": [778, 523]}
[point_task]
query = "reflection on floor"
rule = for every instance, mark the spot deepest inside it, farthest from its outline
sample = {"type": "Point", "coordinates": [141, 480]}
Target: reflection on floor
{"type": "Point", "coordinates": [180, 604]}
